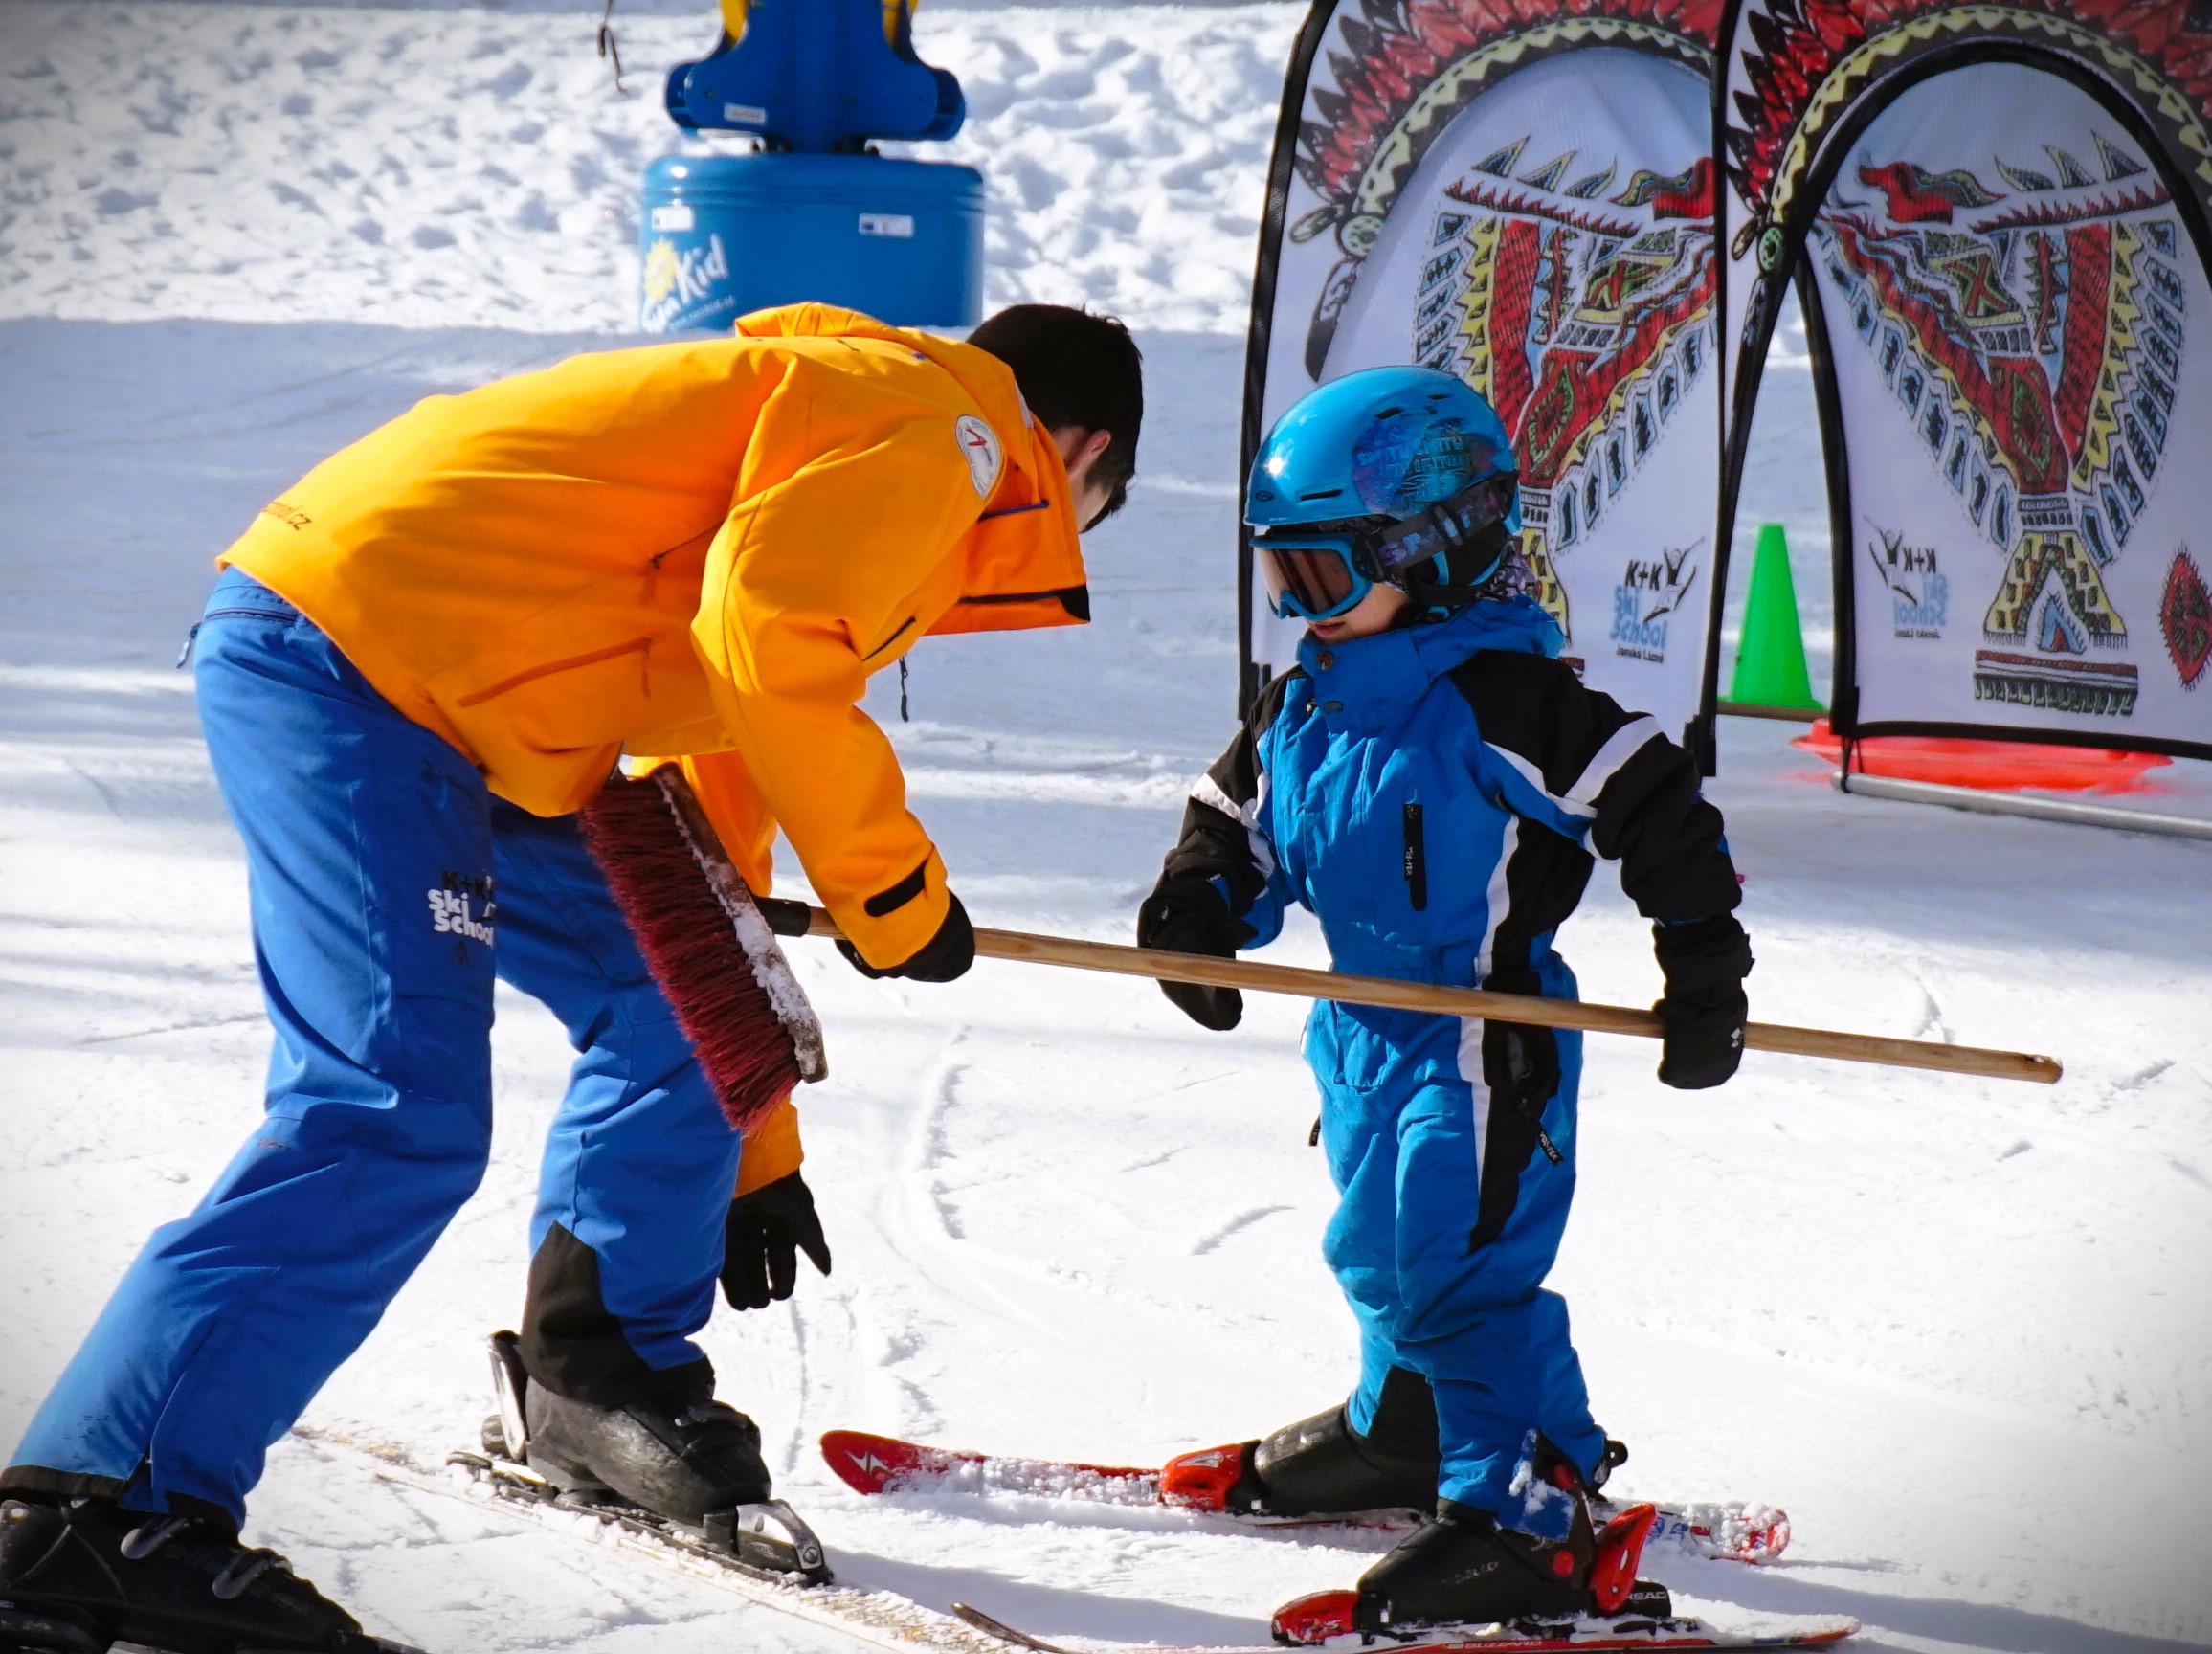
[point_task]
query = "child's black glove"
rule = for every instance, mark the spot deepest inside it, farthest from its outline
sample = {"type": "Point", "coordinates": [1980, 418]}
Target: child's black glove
{"type": "Point", "coordinates": [944, 956]}
{"type": "Point", "coordinates": [1188, 914]}
{"type": "Point", "coordinates": [1705, 962]}
{"type": "Point", "coordinates": [762, 1235]}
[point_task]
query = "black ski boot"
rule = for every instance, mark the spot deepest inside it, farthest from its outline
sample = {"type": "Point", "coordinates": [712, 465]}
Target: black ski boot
{"type": "Point", "coordinates": [680, 1454]}
{"type": "Point", "coordinates": [77, 1574]}
{"type": "Point", "coordinates": [682, 1457]}
{"type": "Point", "coordinates": [681, 1468]}
{"type": "Point", "coordinates": [1466, 1568]}
{"type": "Point", "coordinates": [1322, 1466]}
{"type": "Point", "coordinates": [1462, 1569]}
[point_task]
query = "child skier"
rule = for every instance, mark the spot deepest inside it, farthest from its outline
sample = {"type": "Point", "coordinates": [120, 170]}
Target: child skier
{"type": "Point", "coordinates": [415, 667]}
{"type": "Point", "coordinates": [1431, 781]}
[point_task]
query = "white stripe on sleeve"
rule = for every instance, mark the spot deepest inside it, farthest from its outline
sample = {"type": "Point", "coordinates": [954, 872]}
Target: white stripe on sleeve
{"type": "Point", "coordinates": [1208, 791]}
{"type": "Point", "coordinates": [1630, 738]}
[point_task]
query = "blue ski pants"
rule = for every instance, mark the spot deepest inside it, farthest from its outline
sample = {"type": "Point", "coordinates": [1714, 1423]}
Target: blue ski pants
{"type": "Point", "coordinates": [387, 888]}
{"type": "Point", "coordinates": [1450, 1218]}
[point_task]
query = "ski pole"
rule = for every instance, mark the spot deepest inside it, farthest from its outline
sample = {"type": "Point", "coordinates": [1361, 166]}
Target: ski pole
{"type": "Point", "coordinates": [799, 919]}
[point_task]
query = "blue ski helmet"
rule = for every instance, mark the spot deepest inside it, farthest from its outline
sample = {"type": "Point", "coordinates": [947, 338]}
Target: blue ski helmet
{"type": "Point", "coordinates": [1403, 475]}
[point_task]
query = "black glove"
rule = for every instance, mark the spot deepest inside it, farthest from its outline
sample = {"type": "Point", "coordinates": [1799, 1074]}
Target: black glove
{"type": "Point", "coordinates": [1520, 1064]}
{"type": "Point", "coordinates": [762, 1239]}
{"type": "Point", "coordinates": [944, 956]}
{"type": "Point", "coordinates": [1188, 914]}
{"type": "Point", "coordinates": [1705, 963]}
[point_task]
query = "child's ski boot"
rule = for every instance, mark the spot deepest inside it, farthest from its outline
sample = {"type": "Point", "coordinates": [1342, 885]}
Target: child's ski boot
{"type": "Point", "coordinates": [1319, 1466]}
{"type": "Point", "coordinates": [1467, 1568]}
{"type": "Point", "coordinates": [79, 1574]}
{"type": "Point", "coordinates": [1322, 1466]}
{"type": "Point", "coordinates": [1464, 1569]}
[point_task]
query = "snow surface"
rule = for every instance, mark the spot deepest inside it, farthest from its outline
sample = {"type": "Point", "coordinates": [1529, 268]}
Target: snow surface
{"type": "Point", "coordinates": [1958, 1328]}
{"type": "Point", "coordinates": [441, 169]}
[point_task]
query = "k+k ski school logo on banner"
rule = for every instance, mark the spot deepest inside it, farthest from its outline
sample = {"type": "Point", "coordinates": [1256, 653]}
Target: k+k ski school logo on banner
{"type": "Point", "coordinates": [2028, 319]}
{"type": "Point", "coordinates": [1650, 589]}
{"type": "Point", "coordinates": [1919, 592]}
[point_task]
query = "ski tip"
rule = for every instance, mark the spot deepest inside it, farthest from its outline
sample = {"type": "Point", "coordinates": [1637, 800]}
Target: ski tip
{"type": "Point", "coordinates": [981, 1622]}
{"type": "Point", "coordinates": [868, 1464]}
{"type": "Point", "coordinates": [1315, 1619]}
{"type": "Point", "coordinates": [1834, 1632]}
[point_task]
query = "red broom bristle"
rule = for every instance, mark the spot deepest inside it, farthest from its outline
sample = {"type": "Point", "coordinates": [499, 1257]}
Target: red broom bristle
{"type": "Point", "coordinates": [692, 949]}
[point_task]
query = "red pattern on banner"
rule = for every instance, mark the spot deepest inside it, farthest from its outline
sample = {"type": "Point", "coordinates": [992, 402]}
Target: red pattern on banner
{"type": "Point", "coordinates": [1575, 385]}
{"type": "Point", "coordinates": [2185, 618]}
{"type": "Point", "coordinates": [1687, 195]}
{"type": "Point", "coordinates": [1520, 250]}
{"type": "Point", "coordinates": [1397, 47]}
{"type": "Point", "coordinates": [2012, 393]}
{"type": "Point", "coordinates": [1919, 196]}
{"type": "Point", "coordinates": [2089, 306]}
{"type": "Point", "coordinates": [1796, 42]}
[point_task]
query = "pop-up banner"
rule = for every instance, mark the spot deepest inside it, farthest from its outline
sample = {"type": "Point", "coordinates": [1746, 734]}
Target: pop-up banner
{"type": "Point", "coordinates": [1996, 215]}
{"type": "Point", "coordinates": [1520, 192]}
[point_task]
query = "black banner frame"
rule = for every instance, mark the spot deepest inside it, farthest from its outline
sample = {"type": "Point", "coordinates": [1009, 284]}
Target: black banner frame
{"type": "Point", "coordinates": [1260, 335]}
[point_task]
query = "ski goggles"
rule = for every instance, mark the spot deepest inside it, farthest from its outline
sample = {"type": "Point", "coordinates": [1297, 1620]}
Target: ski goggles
{"type": "Point", "coordinates": [1321, 570]}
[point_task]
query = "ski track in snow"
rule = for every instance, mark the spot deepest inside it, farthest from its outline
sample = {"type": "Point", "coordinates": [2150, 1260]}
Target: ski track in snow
{"type": "Point", "coordinates": [1960, 1329]}
{"type": "Point", "coordinates": [434, 169]}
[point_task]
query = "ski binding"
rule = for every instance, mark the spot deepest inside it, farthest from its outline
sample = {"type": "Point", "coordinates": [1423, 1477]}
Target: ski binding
{"type": "Point", "coordinates": [766, 1540]}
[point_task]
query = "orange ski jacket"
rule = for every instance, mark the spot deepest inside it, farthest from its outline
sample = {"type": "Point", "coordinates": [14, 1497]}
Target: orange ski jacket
{"type": "Point", "coordinates": [701, 551]}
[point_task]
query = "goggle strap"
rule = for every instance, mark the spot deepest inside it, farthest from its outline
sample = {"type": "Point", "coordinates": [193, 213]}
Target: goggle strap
{"type": "Point", "coordinates": [1440, 595]}
{"type": "Point", "coordinates": [1444, 527]}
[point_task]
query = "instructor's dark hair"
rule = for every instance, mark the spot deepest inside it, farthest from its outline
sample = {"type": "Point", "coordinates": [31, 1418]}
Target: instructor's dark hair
{"type": "Point", "coordinates": [1076, 369]}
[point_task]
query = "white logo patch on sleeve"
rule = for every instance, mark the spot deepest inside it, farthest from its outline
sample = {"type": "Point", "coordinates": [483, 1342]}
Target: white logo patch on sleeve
{"type": "Point", "coordinates": [979, 447]}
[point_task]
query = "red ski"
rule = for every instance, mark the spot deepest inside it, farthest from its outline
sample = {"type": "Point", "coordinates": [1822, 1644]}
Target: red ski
{"type": "Point", "coordinates": [1625, 1613]}
{"type": "Point", "coordinates": [1590, 1636]}
{"type": "Point", "coordinates": [1200, 1483]}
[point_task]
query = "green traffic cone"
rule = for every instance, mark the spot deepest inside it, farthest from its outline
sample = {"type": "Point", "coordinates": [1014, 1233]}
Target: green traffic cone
{"type": "Point", "coordinates": [1770, 663]}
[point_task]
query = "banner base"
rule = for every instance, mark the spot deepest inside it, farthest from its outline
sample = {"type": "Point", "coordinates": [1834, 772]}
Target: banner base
{"type": "Point", "coordinates": [2080, 814]}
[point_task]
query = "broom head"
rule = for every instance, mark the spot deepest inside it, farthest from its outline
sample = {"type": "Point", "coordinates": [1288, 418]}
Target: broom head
{"type": "Point", "coordinates": [706, 943]}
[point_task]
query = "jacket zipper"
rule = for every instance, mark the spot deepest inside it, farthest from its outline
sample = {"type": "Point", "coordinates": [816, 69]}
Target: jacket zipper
{"type": "Point", "coordinates": [891, 639]}
{"type": "Point", "coordinates": [1416, 861]}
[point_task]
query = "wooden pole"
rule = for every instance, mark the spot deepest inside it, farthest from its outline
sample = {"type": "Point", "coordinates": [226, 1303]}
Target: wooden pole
{"type": "Point", "coordinates": [1122, 960]}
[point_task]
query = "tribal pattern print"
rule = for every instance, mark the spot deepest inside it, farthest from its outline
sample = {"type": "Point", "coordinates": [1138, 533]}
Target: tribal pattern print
{"type": "Point", "coordinates": [1393, 74]}
{"type": "Point", "coordinates": [2028, 318]}
{"type": "Point", "coordinates": [1581, 306]}
{"type": "Point", "coordinates": [1810, 61]}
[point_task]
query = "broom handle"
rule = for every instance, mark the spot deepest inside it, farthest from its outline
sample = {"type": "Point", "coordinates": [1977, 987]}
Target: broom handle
{"type": "Point", "coordinates": [1526, 1009]}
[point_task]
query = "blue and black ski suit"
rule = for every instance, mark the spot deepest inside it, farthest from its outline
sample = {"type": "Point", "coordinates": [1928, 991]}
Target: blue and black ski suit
{"type": "Point", "coordinates": [1434, 795]}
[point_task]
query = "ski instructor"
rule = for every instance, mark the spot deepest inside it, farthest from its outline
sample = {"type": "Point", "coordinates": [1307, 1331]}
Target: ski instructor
{"type": "Point", "coordinates": [415, 667]}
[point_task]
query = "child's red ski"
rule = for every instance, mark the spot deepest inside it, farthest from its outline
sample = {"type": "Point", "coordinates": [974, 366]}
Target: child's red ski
{"type": "Point", "coordinates": [1198, 1482]}
{"type": "Point", "coordinates": [1590, 1636]}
